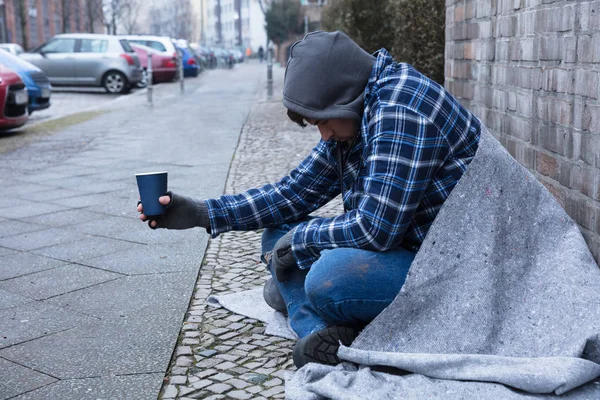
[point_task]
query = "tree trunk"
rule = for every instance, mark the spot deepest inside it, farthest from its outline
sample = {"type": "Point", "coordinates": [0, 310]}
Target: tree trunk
{"type": "Point", "coordinates": [90, 11]}
{"type": "Point", "coordinates": [22, 10]}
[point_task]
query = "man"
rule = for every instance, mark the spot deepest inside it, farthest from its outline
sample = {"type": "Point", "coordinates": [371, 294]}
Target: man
{"type": "Point", "coordinates": [261, 53]}
{"type": "Point", "coordinates": [394, 144]}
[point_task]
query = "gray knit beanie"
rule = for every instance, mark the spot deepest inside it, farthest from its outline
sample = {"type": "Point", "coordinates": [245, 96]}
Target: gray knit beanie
{"type": "Point", "coordinates": [326, 76]}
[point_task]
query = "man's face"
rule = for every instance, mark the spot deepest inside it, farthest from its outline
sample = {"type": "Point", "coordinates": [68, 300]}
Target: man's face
{"type": "Point", "coordinates": [341, 130]}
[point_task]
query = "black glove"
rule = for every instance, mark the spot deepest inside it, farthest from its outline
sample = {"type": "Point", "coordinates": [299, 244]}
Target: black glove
{"type": "Point", "coordinates": [183, 213]}
{"type": "Point", "coordinates": [283, 261]}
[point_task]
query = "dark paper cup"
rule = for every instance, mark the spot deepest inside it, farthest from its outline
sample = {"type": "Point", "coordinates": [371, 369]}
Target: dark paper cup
{"type": "Point", "coordinates": [152, 185]}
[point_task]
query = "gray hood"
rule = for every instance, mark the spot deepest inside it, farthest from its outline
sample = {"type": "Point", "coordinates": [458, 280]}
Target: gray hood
{"type": "Point", "coordinates": [326, 76]}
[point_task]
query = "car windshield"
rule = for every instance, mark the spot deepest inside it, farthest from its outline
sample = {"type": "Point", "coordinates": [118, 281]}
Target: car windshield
{"type": "Point", "coordinates": [126, 46]}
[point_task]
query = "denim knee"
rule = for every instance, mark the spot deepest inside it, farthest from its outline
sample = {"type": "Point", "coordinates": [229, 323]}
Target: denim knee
{"type": "Point", "coordinates": [270, 236]}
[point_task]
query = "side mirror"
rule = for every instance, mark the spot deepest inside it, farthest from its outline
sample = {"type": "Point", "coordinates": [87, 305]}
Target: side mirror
{"type": "Point", "coordinates": [42, 53]}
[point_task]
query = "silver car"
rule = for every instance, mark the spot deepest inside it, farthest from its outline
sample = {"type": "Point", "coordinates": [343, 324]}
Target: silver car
{"type": "Point", "coordinates": [88, 60]}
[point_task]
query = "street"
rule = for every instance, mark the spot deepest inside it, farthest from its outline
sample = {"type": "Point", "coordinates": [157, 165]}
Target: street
{"type": "Point", "coordinates": [91, 300]}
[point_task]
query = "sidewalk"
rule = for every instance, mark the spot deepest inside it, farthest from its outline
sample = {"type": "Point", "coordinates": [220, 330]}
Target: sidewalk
{"type": "Point", "coordinates": [220, 354]}
{"type": "Point", "coordinates": [92, 300]}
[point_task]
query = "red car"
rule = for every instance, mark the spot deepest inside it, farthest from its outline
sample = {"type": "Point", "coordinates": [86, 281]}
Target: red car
{"type": "Point", "coordinates": [13, 100]}
{"type": "Point", "coordinates": [164, 68]}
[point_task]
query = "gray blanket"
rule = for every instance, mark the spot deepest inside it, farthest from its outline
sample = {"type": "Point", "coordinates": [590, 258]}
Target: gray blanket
{"type": "Point", "coordinates": [501, 302]}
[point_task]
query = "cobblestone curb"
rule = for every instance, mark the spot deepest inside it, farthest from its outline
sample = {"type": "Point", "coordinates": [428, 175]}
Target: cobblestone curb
{"type": "Point", "coordinates": [220, 354]}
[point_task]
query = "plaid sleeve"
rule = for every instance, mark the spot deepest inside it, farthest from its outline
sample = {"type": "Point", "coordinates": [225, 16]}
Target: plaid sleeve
{"type": "Point", "coordinates": [402, 156]}
{"type": "Point", "coordinates": [309, 186]}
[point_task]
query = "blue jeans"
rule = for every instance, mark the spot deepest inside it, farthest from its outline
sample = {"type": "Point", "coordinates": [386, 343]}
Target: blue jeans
{"type": "Point", "coordinates": [344, 286]}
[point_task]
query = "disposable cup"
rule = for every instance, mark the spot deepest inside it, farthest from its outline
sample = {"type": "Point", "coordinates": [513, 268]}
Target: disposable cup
{"type": "Point", "coordinates": [151, 186]}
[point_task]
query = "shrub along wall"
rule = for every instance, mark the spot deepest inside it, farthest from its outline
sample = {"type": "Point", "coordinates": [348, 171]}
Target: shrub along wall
{"type": "Point", "coordinates": [411, 30]}
{"type": "Point", "coordinates": [529, 69]}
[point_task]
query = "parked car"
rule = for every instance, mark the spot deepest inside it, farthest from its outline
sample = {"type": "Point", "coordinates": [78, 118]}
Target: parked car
{"type": "Point", "coordinates": [190, 65]}
{"type": "Point", "coordinates": [13, 100]}
{"type": "Point", "coordinates": [207, 57]}
{"type": "Point", "coordinates": [160, 43]}
{"type": "Point", "coordinates": [238, 55]}
{"type": "Point", "coordinates": [87, 59]}
{"type": "Point", "coordinates": [224, 58]}
{"type": "Point", "coordinates": [38, 85]}
{"type": "Point", "coordinates": [164, 68]}
{"type": "Point", "coordinates": [13, 48]}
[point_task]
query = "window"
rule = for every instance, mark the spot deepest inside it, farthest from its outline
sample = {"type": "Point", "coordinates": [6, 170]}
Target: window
{"type": "Point", "coordinates": [93, 46]}
{"type": "Point", "coordinates": [156, 45]}
{"type": "Point", "coordinates": [60, 46]}
{"type": "Point", "coordinates": [126, 46]}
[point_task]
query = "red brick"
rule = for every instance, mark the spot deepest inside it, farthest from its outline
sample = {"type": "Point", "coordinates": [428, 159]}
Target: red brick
{"type": "Point", "coordinates": [546, 165]}
{"type": "Point", "coordinates": [469, 51]}
{"type": "Point", "coordinates": [459, 13]}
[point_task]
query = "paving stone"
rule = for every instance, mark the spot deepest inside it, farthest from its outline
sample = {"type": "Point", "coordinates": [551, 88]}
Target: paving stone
{"type": "Point", "coordinates": [273, 382]}
{"type": "Point", "coordinates": [170, 392]}
{"type": "Point", "coordinates": [254, 389]}
{"type": "Point", "coordinates": [219, 388]}
{"type": "Point", "coordinates": [221, 377]}
{"type": "Point", "coordinates": [208, 363]}
{"type": "Point", "coordinates": [202, 384]}
{"type": "Point", "coordinates": [237, 383]}
{"type": "Point", "coordinates": [215, 397]}
{"type": "Point", "coordinates": [207, 353]}
{"type": "Point", "coordinates": [178, 380]}
{"type": "Point", "coordinates": [183, 391]}
{"type": "Point", "coordinates": [226, 365]}
{"type": "Point", "coordinates": [206, 372]}
{"type": "Point", "coordinates": [254, 378]}
{"type": "Point", "coordinates": [272, 391]}
{"type": "Point", "coordinates": [239, 394]}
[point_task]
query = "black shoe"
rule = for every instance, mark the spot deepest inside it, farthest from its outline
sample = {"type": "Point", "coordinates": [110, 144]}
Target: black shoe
{"type": "Point", "coordinates": [273, 297]}
{"type": "Point", "coordinates": [322, 346]}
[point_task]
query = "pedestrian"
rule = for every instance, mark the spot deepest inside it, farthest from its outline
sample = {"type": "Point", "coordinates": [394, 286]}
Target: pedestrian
{"type": "Point", "coordinates": [393, 142]}
{"type": "Point", "coordinates": [261, 53]}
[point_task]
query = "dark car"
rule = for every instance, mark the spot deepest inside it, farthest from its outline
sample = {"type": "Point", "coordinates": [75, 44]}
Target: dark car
{"type": "Point", "coordinates": [13, 100]}
{"type": "Point", "coordinates": [38, 85]}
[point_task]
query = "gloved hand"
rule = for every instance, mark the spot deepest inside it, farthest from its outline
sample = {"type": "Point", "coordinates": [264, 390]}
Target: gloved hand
{"type": "Point", "coordinates": [182, 213]}
{"type": "Point", "coordinates": [283, 261]}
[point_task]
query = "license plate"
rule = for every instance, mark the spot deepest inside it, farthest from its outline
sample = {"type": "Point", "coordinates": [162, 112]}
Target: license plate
{"type": "Point", "coordinates": [21, 97]}
{"type": "Point", "coordinates": [45, 93]}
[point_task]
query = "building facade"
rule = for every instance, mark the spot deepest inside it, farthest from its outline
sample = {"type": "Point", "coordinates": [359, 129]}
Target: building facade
{"type": "Point", "coordinates": [31, 23]}
{"type": "Point", "coordinates": [234, 23]}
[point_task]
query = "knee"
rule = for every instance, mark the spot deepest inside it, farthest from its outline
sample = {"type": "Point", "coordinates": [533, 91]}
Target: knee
{"type": "Point", "coordinates": [322, 279]}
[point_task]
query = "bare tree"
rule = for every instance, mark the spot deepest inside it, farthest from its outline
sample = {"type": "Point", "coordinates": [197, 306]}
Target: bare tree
{"type": "Point", "coordinates": [116, 11]}
{"type": "Point", "coordinates": [22, 12]}
{"type": "Point", "coordinates": [65, 15]}
{"type": "Point", "coordinates": [265, 5]}
{"type": "Point", "coordinates": [93, 13]}
{"type": "Point", "coordinates": [178, 19]}
{"type": "Point", "coordinates": [129, 15]}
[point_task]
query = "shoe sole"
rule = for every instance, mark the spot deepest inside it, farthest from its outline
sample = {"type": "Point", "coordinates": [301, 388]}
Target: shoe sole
{"type": "Point", "coordinates": [322, 347]}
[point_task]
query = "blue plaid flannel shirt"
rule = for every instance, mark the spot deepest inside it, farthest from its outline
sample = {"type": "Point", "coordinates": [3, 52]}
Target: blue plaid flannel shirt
{"type": "Point", "coordinates": [414, 144]}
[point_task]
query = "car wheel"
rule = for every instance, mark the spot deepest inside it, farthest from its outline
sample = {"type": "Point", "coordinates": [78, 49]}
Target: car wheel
{"type": "Point", "coordinates": [144, 81]}
{"type": "Point", "coordinates": [115, 82]}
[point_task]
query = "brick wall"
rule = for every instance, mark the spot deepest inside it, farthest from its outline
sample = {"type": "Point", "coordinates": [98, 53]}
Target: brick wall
{"type": "Point", "coordinates": [529, 69]}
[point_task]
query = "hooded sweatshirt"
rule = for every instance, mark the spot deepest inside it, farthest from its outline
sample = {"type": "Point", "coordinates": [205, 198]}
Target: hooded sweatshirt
{"type": "Point", "coordinates": [326, 77]}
